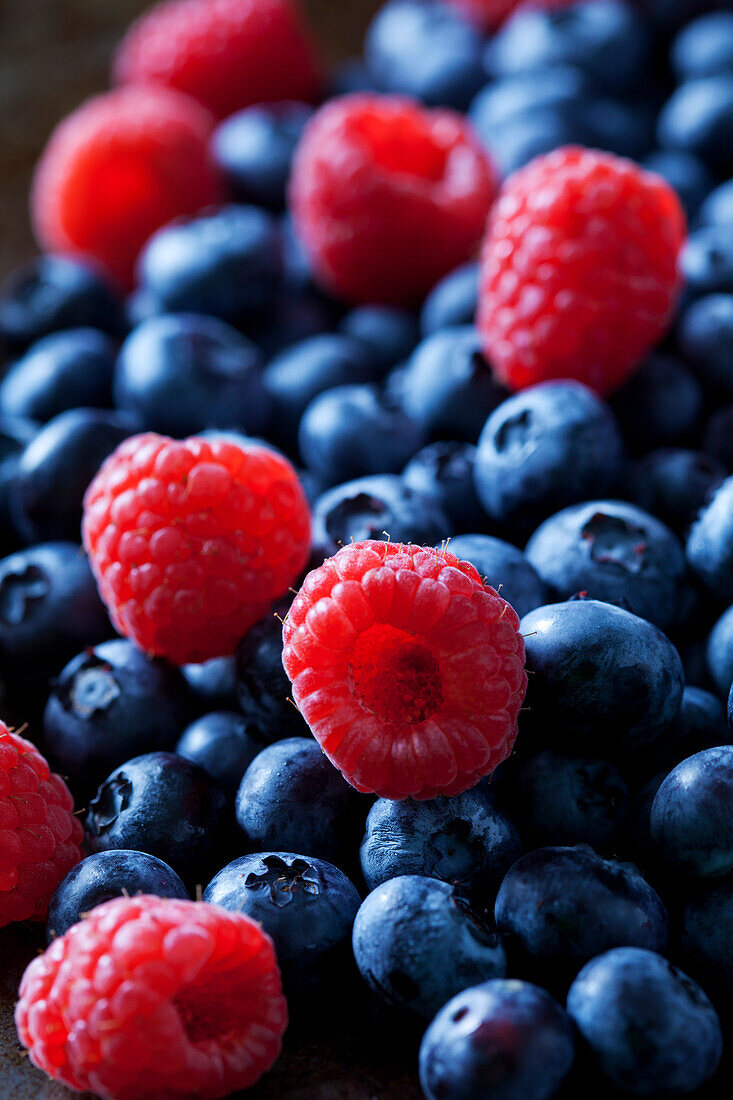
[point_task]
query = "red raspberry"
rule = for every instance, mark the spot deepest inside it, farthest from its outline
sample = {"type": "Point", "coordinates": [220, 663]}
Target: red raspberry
{"type": "Point", "coordinates": [227, 53]}
{"type": "Point", "coordinates": [118, 168]}
{"type": "Point", "coordinates": [39, 835]}
{"type": "Point", "coordinates": [191, 542]}
{"type": "Point", "coordinates": [388, 197]}
{"type": "Point", "coordinates": [149, 998]}
{"type": "Point", "coordinates": [409, 671]}
{"type": "Point", "coordinates": [492, 13]}
{"type": "Point", "coordinates": [579, 271]}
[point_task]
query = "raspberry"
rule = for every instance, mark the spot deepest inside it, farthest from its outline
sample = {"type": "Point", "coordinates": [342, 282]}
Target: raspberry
{"type": "Point", "coordinates": [191, 541]}
{"type": "Point", "coordinates": [39, 835]}
{"type": "Point", "coordinates": [408, 670]}
{"type": "Point", "coordinates": [118, 168]}
{"type": "Point", "coordinates": [579, 270]}
{"type": "Point", "coordinates": [388, 197]}
{"type": "Point", "coordinates": [149, 998]}
{"type": "Point", "coordinates": [228, 54]}
{"type": "Point", "coordinates": [492, 13]}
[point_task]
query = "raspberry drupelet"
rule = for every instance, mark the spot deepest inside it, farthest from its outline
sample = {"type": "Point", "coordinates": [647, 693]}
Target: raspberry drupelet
{"type": "Point", "coordinates": [579, 273]}
{"type": "Point", "coordinates": [192, 541]}
{"type": "Point", "coordinates": [119, 167]}
{"type": "Point", "coordinates": [408, 670]}
{"type": "Point", "coordinates": [388, 197]}
{"type": "Point", "coordinates": [40, 839]}
{"type": "Point", "coordinates": [149, 998]}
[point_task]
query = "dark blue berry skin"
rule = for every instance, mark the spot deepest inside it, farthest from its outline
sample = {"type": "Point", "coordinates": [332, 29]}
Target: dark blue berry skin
{"type": "Point", "coordinates": [570, 800]}
{"type": "Point", "coordinates": [700, 724]}
{"type": "Point", "coordinates": [606, 39]}
{"type": "Point", "coordinates": [717, 438]}
{"type": "Point", "coordinates": [15, 435]}
{"type": "Point", "coordinates": [444, 471]}
{"type": "Point", "coordinates": [730, 707]}
{"type": "Point", "coordinates": [226, 264]}
{"type": "Point", "coordinates": [452, 302]}
{"type": "Point", "coordinates": [291, 795]}
{"type": "Point", "coordinates": [505, 568]}
{"type": "Point", "coordinates": [424, 50]}
{"type": "Point", "coordinates": [350, 76]}
{"type": "Point", "coordinates": [448, 387]}
{"type": "Point", "coordinates": [223, 744]}
{"type": "Point", "coordinates": [254, 150]}
{"type": "Point", "coordinates": [686, 174]}
{"type": "Point", "coordinates": [706, 928]}
{"type": "Point", "coordinates": [516, 142]}
{"type": "Point", "coordinates": [213, 684]}
{"type": "Point", "coordinates": [660, 406]}
{"type": "Point", "coordinates": [417, 944]}
{"type": "Point", "coordinates": [56, 468]}
{"type": "Point", "coordinates": [638, 840]}
{"type": "Point", "coordinates": [50, 293]}
{"type": "Point", "coordinates": [109, 704]}
{"type": "Point", "coordinates": [704, 47]}
{"type": "Point", "coordinates": [544, 448]}
{"type": "Point", "coordinates": [613, 551]}
{"type": "Point", "coordinates": [376, 508]}
{"type": "Point", "coordinates": [515, 98]}
{"type": "Point", "coordinates": [466, 841]}
{"type": "Point", "coordinates": [353, 431]}
{"type": "Point", "coordinates": [306, 905]}
{"type": "Point", "coordinates": [263, 688]}
{"type": "Point", "coordinates": [706, 339]}
{"type": "Point", "coordinates": [600, 675]}
{"type": "Point", "coordinates": [505, 1039]}
{"type": "Point", "coordinates": [674, 484]}
{"type": "Point", "coordinates": [719, 653]}
{"type": "Point", "coordinates": [293, 319]}
{"type": "Point", "coordinates": [651, 1030]}
{"type": "Point", "coordinates": [698, 119]}
{"type": "Point", "coordinates": [161, 804]}
{"type": "Point", "coordinates": [180, 373]}
{"type": "Point", "coordinates": [299, 373]}
{"type": "Point", "coordinates": [692, 826]}
{"type": "Point", "coordinates": [106, 875]}
{"type": "Point", "coordinates": [706, 261]}
{"type": "Point", "coordinates": [710, 544]}
{"type": "Point", "coordinates": [49, 610]}
{"type": "Point", "coordinates": [547, 896]}
{"type": "Point", "coordinates": [60, 372]}
{"type": "Point", "coordinates": [389, 335]}
{"type": "Point", "coordinates": [717, 209]}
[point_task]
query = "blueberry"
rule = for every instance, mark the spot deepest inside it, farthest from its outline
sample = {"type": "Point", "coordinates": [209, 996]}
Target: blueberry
{"type": "Point", "coordinates": [388, 334]}
{"type": "Point", "coordinates": [307, 906]}
{"type": "Point", "coordinates": [50, 293]}
{"type": "Point", "coordinates": [293, 319]}
{"type": "Point", "coordinates": [704, 47]}
{"type": "Point", "coordinates": [706, 928]}
{"type": "Point", "coordinates": [254, 150]}
{"type": "Point", "coordinates": [452, 302]}
{"type": "Point", "coordinates": [649, 1027]}
{"type": "Point", "coordinates": [699, 724]}
{"type": "Point", "coordinates": [291, 795]}
{"type": "Point", "coordinates": [111, 703]}
{"type": "Point", "coordinates": [60, 372]}
{"type": "Point", "coordinates": [56, 468]}
{"type": "Point", "coordinates": [15, 435]}
{"type": "Point", "coordinates": [692, 827]}
{"type": "Point", "coordinates": [674, 484]}
{"type": "Point", "coordinates": [294, 377]}
{"type": "Point", "coordinates": [106, 875]}
{"type": "Point", "coordinates": [448, 387]}
{"type": "Point", "coordinates": [516, 142]}
{"type": "Point", "coordinates": [570, 800]}
{"type": "Point", "coordinates": [686, 174]}
{"type": "Point", "coordinates": [466, 841]}
{"type": "Point", "coordinates": [226, 264]}
{"type": "Point", "coordinates": [505, 1039]}
{"type": "Point", "coordinates": [706, 339]}
{"type": "Point", "coordinates": [661, 405]}
{"type": "Point", "coordinates": [178, 374]}
{"type": "Point", "coordinates": [717, 209]}
{"type": "Point", "coordinates": [49, 610]}
{"type": "Point", "coordinates": [606, 39]}
{"type": "Point", "coordinates": [710, 544]}
{"type": "Point", "coordinates": [698, 119]}
{"type": "Point", "coordinates": [417, 943]}
{"type": "Point", "coordinates": [549, 446]}
{"type": "Point", "coordinates": [223, 744]}
{"type": "Point", "coordinates": [547, 896]}
{"type": "Point", "coordinates": [376, 508]}
{"type": "Point", "coordinates": [350, 76]}
{"type": "Point", "coordinates": [164, 805]}
{"type": "Point", "coordinates": [352, 431]}
{"type": "Point", "coordinates": [600, 675]}
{"type": "Point", "coordinates": [263, 688]}
{"type": "Point", "coordinates": [444, 471]}
{"type": "Point", "coordinates": [718, 437]}
{"type": "Point", "coordinates": [515, 98]}
{"type": "Point", "coordinates": [503, 567]}
{"type": "Point", "coordinates": [719, 653]}
{"type": "Point", "coordinates": [213, 683]}
{"type": "Point", "coordinates": [706, 260]}
{"type": "Point", "coordinates": [421, 48]}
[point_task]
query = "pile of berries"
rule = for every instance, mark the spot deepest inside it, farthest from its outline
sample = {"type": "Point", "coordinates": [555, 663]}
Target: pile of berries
{"type": "Point", "coordinates": [366, 555]}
